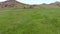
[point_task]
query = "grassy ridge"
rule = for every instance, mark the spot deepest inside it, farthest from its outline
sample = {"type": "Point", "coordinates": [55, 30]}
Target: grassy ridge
{"type": "Point", "coordinates": [30, 21]}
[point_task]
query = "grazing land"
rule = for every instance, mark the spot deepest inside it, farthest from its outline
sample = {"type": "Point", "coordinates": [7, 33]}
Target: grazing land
{"type": "Point", "coordinates": [44, 20]}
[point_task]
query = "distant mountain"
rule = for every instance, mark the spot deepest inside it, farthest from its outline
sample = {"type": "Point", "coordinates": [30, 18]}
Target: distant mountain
{"type": "Point", "coordinates": [51, 4]}
{"type": "Point", "coordinates": [55, 4]}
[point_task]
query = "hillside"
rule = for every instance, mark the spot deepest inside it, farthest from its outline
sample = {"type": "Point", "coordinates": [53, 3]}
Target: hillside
{"type": "Point", "coordinates": [13, 4]}
{"type": "Point", "coordinates": [30, 21]}
{"type": "Point", "coordinates": [18, 5]}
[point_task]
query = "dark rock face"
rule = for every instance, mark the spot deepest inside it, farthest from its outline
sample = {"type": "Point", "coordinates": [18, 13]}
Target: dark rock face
{"type": "Point", "coordinates": [8, 3]}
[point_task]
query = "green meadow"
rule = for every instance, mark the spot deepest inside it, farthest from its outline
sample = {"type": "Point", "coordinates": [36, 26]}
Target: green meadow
{"type": "Point", "coordinates": [44, 20]}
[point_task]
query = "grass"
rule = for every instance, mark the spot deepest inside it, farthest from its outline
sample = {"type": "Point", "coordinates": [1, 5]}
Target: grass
{"type": "Point", "coordinates": [30, 21]}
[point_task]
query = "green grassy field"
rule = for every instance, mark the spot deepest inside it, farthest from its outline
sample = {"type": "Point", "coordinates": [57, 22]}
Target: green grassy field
{"type": "Point", "coordinates": [30, 21]}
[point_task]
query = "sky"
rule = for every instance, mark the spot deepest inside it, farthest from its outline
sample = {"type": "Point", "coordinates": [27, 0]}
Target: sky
{"type": "Point", "coordinates": [35, 1]}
